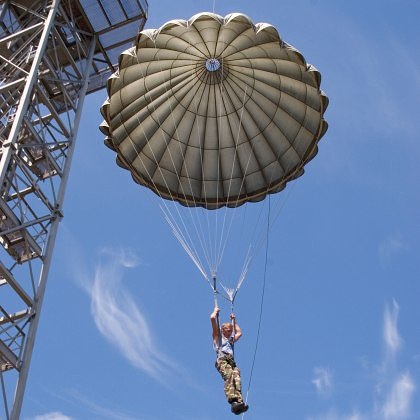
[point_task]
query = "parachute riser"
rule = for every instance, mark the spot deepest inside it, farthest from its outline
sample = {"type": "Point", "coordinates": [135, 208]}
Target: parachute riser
{"type": "Point", "coordinates": [216, 306]}
{"type": "Point", "coordinates": [214, 290]}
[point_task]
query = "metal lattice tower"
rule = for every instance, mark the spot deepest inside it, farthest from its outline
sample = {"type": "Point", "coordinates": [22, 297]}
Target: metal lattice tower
{"type": "Point", "coordinates": [52, 53]}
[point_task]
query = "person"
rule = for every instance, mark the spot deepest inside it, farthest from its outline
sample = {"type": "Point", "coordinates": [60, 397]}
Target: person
{"type": "Point", "coordinates": [223, 342]}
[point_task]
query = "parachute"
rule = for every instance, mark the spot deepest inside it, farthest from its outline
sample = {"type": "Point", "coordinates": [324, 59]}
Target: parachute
{"type": "Point", "coordinates": [213, 112]}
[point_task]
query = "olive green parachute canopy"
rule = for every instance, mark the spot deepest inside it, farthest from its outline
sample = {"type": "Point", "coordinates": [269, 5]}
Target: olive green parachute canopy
{"type": "Point", "coordinates": [214, 111]}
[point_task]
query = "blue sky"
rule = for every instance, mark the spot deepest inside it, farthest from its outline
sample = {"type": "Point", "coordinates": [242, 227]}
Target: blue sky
{"type": "Point", "coordinates": [125, 330]}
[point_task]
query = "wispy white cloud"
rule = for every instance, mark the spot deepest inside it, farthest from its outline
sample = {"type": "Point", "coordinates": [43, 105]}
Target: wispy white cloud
{"type": "Point", "coordinates": [123, 256]}
{"type": "Point", "coordinates": [394, 389]}
{"type": "Point", "coordinates": [355, 416]}
{"type": "Point", "coordinates": [398, 403]}
{"type": "Point", "coordinates": [118, 317]}
{"type": "Point", "coordinates": [382, 96]}
{"type": "Point", "coordinates": [323, 381]}
{"type": "Point", "coordinates": [99, 410]}
{"type": "Point", "coordinates": [85, 404]}
{"type": "Point", "coordinates": [56, 415]}
{"type": "Point", "coordinates": [405, 64]}
{"type": "Point", "coordinates": [333, 414]}
{"type": "Point", "coordinates": [116, 313]}
{"type": "Point", "coordinates": [390, 247]}
{"type": "Point", "coordinates": [391, 335]}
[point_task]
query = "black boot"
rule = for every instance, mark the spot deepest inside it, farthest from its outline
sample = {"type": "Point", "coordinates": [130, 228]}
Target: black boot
{"type": "Point", "coordinates": [239, 407]}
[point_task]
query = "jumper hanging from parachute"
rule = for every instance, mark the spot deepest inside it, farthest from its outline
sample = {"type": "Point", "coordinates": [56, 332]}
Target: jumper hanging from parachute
{"type": "Point", "coordinates": [213, 113]}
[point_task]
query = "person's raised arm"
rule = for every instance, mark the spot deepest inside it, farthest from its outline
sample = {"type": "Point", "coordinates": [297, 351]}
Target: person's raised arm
{"type": "Point", "coordinates": [215, 328]}
{"type": "Point", "coordinates": [237, 332]}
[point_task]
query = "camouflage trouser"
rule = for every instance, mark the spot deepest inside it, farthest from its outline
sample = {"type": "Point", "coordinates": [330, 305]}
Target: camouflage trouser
{"type": "Point", "coordinates": [232, 377]}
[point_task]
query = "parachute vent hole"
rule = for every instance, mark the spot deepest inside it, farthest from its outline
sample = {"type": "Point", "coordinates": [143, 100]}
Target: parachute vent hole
{"type": "Point", "coordinates": [212, 64]}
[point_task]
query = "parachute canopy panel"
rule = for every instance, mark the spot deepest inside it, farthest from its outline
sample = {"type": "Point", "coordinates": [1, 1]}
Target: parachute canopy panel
{"type": "Point", "coordinates": [214, 111]}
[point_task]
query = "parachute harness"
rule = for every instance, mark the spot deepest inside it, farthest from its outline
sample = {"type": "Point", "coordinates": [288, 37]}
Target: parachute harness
{"type": "Point", "coordinates": [215, 293]}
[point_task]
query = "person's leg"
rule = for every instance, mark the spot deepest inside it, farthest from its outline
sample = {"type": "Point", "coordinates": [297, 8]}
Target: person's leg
{"type": "Point", "coordinates": [239, 406]}
{"type": "Point", "coordinates": [236, 382]}
{"type": "Point", "coordinates": [226, 371]}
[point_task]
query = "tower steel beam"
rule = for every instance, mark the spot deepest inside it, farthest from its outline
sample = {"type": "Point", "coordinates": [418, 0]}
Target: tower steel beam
{"type": "Point", "coordinates": [52, 53]}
